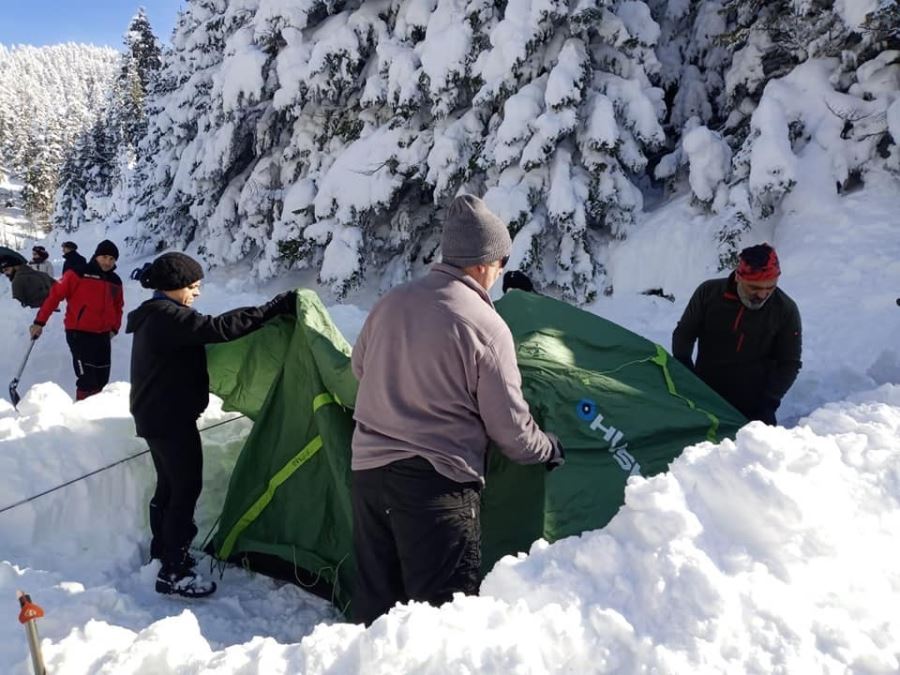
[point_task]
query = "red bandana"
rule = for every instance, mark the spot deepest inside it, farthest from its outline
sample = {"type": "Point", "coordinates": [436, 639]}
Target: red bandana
{"type": "Point", "coordinates": [764, 270]}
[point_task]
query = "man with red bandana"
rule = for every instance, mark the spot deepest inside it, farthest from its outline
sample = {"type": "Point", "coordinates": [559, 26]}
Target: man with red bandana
{"type": "Point", "coordinates": [748, 332]}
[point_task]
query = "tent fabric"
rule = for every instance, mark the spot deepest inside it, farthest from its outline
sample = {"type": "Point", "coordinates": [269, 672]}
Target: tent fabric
{"type": "Point", "coordinates": [619, 403]}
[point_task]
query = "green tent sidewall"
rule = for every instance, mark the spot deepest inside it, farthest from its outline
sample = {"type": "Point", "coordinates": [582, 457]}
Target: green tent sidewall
{"type": "Point", "coordinates": [620, 405]}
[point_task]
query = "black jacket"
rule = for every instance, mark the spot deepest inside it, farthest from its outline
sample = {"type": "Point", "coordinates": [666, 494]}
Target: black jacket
{"type": "Point", "coordinates": [750, 357]}
{"type": "Point", "coordinates": [73, 261]}
{"type": "Point", "coordinates": [169, 381]}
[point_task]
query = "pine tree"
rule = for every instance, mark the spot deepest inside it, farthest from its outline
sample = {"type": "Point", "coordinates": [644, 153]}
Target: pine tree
{"type": "Point", "coordinates": [50, 95]}
{"type": "Point", "coordinates": [325, 135]}
{"type": "Point", "coordinates": [140, 63]}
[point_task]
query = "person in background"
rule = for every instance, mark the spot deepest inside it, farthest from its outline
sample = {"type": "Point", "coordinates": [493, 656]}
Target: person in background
{"type": "Point", "coordinates": [748, 333]}
{"type": "Point", "coordinates": [40, 260]}
{"type": "Point", "coordinates": [169, 391]}
{"type": "Point", "coordinates": [438, 379]}
{"type": "Point", "coordinates": [94, 302]}
{"type": "Point", "coordinates": [29, 286]}
{"type": "Point", "coordinates": [517, 280]}
{"type": "Point", "coordinates": [72, 259]}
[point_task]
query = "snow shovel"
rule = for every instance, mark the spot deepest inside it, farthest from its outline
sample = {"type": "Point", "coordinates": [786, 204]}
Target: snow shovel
{"type": "Point", "coordinates": [13, 394]}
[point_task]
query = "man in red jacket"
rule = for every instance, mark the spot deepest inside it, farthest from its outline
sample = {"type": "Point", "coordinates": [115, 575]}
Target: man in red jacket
{"type": "Point", "coordinates": [94, 302]}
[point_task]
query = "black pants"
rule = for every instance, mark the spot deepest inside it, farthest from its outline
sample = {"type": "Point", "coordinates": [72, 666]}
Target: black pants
{"type": "Point", "coordinates": [416, 536]}
{"type": "Point", "coordinates": [91, 359]}
{"type": "Point", "coordinates": [179, 477]}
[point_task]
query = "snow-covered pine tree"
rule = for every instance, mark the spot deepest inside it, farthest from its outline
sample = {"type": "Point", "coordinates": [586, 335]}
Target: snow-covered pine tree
{"type": "Point", "coordinates": [693, 64]}
{"type": "Point", "coordinates": [48, 100]}
{"type": "Point", "coordinates": [159, 193]}
{"type": "Point", "coordinates": [806, 96]}
{"type": "Point", "coordinates": [141, 61]}
{"type": "Point", "coordinates": [805, 76]}
{"type": "Point", "coordinates": [330, 134]}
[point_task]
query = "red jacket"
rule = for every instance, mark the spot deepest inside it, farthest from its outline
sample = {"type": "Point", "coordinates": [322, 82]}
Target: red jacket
{"type": "Point", "coordinates": [94, 300]}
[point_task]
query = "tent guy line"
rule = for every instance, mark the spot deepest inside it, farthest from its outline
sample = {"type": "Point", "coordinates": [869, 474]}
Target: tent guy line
{"type": "Point", "coordinates": [101, 470]}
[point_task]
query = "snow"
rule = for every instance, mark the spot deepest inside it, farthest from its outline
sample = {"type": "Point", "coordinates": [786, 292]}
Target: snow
{"type": "Point", "coordinates": [893, 120]}
{"type": "Point", "coordinates": [447, 45]}
{"type": "Point", "coordinates": [566, 80]}
{"type": "Point", "coordinates": [853, 12]}
{"type": "Point", "coordinates": [709, 158]}
{"type": "Point", "coordinates": [241, 78]}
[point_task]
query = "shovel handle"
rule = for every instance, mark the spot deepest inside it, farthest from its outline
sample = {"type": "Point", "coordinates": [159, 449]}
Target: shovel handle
{"type": "Point", "coordinates": [25, 360]}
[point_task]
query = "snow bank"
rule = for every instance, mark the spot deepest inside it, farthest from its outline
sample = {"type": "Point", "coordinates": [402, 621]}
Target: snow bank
{"type": "Point", "coordinates": [761, 555]}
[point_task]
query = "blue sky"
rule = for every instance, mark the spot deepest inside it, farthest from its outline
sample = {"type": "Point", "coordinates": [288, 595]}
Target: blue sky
{"type": "Point", "coordinates": [101, 22]}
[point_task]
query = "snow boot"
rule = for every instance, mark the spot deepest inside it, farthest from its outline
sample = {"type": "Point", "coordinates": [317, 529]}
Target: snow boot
{"type": "Point", "coordinates": [156, 554]}
{"type": "Point", "coordinates": [185, 582]}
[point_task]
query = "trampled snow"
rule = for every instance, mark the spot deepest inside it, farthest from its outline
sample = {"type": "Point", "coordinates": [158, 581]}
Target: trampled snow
{"type": "Point", "coordinates": [769, 553]}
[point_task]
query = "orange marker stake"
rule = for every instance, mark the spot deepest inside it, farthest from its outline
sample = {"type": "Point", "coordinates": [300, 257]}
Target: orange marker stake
{"type": "Point", "coordinates": [28, 615]}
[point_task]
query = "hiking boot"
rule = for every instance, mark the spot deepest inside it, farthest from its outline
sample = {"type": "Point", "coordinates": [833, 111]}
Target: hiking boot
{"type": "Point", "coordinates": [156, 554]}
{"type": "Point", "coordinates": [186, 583]}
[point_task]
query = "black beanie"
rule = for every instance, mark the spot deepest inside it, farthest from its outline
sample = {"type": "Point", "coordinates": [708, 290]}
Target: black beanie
{"type": "Point", "coordinates": [70, 244]}
{"type": "Point", "coordinates": [171, 271]}
{"type": "Point", "coordinates": [106, 247]}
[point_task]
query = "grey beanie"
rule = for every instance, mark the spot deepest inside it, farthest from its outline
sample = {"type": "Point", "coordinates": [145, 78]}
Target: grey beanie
{"type": "Point", "coordinates": [472, 234]}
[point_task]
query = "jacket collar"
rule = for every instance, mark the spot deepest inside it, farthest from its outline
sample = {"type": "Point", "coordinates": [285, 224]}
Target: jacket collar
{"type": "Point", "coordinates": [731, 289]}
{"type": "Point", "coordinates": [159, 295]}
{"type": "Point", "coordinates": [457, 273]}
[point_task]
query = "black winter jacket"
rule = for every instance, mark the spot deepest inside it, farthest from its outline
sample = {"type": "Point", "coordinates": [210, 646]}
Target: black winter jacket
{"type": "Point", "coordinates": [750, 357]}
{"type": "Point", "coordinates": [169, 380]}
{"type": "Point", "coordinates": [73, 261]}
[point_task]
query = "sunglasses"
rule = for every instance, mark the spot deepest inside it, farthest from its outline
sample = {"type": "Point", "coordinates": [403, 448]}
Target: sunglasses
{"type": "Point", "coordinates": [504, 261]}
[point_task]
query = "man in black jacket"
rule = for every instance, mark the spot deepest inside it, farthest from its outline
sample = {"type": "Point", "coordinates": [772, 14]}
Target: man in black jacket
{"type": "Point", "coordinates": [169, 391]}
{"type": "Point", "coordinates": [749, 335]}
{"type": "Point", "coordinates": [73, 259]}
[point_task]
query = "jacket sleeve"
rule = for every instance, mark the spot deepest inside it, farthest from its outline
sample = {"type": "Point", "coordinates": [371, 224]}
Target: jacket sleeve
{"type": "Point", "coordinates": [193, 328]}
{"type": "Point", "coordinates": [503, 409]}
{"type": "Point", "coordinates": [786, 352]}
{"type": "Point", "coordinates": [119, 307]}
{"type": "Point", "coordinates": [359, 351]}
{"type": "Point", "coordinates": [688, 330]}
{"type": "Point", "coordinates": [58, 292]}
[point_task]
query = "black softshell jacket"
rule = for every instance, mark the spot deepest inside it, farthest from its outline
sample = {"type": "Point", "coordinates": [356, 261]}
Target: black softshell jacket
{"type": "Point", "coordinates": [750, 357]}
{"type": "Point", "coordinates": [169, 380]}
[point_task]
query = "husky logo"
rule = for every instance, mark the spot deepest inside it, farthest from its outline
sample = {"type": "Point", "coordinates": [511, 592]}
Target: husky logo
{"type": "Point", "coordinates": [587, 410]}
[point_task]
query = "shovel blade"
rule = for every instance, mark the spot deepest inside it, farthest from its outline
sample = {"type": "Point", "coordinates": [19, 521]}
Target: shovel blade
{"type": "Point", "coordinates": [13, 394]}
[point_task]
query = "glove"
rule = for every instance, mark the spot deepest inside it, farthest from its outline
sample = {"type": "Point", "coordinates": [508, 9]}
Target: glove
{"type": "Point", "coordinates": [559, 453]}
{"type": "Point", "coordinates": [518, 280]}
{"type": "Point", "coordinates": [281, 304]}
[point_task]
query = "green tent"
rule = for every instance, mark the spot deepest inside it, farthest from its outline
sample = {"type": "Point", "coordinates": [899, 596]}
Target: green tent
{"type": "Point", "coordinates": [620, 405]}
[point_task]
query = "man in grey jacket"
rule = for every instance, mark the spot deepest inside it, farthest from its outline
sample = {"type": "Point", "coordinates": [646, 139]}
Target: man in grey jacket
{"type": "Point", "coordinates": [29, 286]}
{"type": "Point", "coordinates": [438, 379]}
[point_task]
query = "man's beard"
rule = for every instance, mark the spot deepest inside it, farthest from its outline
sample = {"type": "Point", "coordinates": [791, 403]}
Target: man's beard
{"type": "Point", "coordinates": [751, 303]}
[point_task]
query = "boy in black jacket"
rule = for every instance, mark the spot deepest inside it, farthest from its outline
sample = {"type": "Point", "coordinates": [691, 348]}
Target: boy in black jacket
{"type": "Point", "coordinates": [169, 391]}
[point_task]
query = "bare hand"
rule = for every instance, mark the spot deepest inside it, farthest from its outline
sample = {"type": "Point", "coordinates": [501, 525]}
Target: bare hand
{"type": "Point", "coordinates": [35, 331]}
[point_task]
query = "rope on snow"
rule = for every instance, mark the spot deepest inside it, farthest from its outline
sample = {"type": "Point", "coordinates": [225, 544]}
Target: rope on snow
{"type": "Point", "coordinates": [102, 469]}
